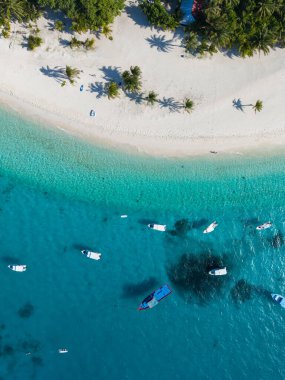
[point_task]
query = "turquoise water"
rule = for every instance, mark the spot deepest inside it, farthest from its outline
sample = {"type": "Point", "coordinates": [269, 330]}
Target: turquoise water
{"type": "Point", "coordinates": [58, 195]}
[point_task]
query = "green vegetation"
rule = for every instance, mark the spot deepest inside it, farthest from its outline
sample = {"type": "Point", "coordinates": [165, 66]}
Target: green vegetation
{"type": "Point", "coordinates": [18, 10]}
{"type": "Point", "coordinates": [59, 25]}
{"type": "Point", "coordinates": [34, 41]}
{"type": "Point", "coordinates": [6, 30]}
{"type": "Point", "coordinates": [87, 44]}
{"type": "Point", "coordinates": [158, 16]}
{"type": "Point", "coordinates": [132, 79]}
{"type": "Point", "coordinates": [188, 105]}
{"type": "Point", "coordinates": [247, 26]}
{"type": "Point", "coordinates": [258, 106]}
{"type": "Point", "coordinates": [151, 98]}
{"type": "Point", "coordinates": [87, 14]}
{"type": "Point", "coordinates": [71, 73]}
{"type": "Point", "coordinates": [112, 89]}
{"type": "Point", "coordinates": [107, 31]}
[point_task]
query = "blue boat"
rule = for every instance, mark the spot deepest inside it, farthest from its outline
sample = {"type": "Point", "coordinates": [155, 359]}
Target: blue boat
{"type": "Point", "coordinates": [155, 297]}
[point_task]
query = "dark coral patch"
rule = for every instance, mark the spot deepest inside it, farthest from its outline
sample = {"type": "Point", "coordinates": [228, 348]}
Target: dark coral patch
{"type": "Point", "coordinates": [190, 275]}
{"type": "Point", "coordinates": [26, 310]}
{"type": "Point", "coordinates": [139, 288]}
{"type": "Point", "coordinates": [242, 291]}
{"type": "Point", "coordinates": [37, 361]}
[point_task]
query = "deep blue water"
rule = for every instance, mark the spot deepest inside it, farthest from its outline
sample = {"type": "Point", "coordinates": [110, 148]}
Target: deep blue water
{"type": "Point", "coordinates": [59, 195]}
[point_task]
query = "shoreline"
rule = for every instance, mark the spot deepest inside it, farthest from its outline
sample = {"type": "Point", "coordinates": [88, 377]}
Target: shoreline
{"type": "Point", "coordinates": [30, 113]}
{"type": "Point", "coordinates": [158, 131]}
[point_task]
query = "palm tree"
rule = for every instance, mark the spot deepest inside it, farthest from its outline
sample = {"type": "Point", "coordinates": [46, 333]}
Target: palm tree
{"type": "Point", "coordinates": [151, 98]}
{"type": "Point", "coordinates": [191, 42]}
{"type": "Point", "coordinates": [266, 8]}
{"type": "Point", "coordinates": [257, 106]}
{"type": "Point", "coordinates": [136, 71]}
{"type": "Point", "coordinates": [203, 48]}
{"type": "Point", "coordinates": [12, 9]}
{"type": "Point", "coordinates": [107, 31]}
{"type": "Point", "coordinates": [263, 41]}
{"type": "Point", "coordinates": [188, 105]}
{"type": "Point", "coordinates": [112, 89]}
{"type": "Point", "coordinates": [71, 73]}
{"type": "Point", "coordinates": [132, 82]}
{"type": "Point", "coordinates": [246, 49]}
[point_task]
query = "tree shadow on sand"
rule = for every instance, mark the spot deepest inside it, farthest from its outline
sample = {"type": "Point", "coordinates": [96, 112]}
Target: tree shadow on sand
{"type": "Point", "coordinates": [160, 43]}
{"type": "Point", "coordinates": [58, 73]}
{"type": "Point", "coordinates": [64, 42]}
{"type": "Point", "coordinates": [170, 103]}
{"type": "Point", "coordinates": [137, 15]}
{"type": "Point", "coordinates": [135, 97]}
{"type": "Point", "coordinates": [53, 16]}
{"type": "Point", "coordinates": [98, 88]}
{"type": "Point", "coordinates": [237, 104]}
{"type": "Point", "coordinates": [111, 74]}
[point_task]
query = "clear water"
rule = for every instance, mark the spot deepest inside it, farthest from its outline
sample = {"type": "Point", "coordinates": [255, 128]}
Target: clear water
{"type": "Point", "coordinates": [58, 195]}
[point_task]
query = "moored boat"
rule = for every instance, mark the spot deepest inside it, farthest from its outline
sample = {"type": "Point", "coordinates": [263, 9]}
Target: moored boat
{"type": "Point", "coordinates": [62, 350]}
{"type": "Point", "coordinates": [91, 255]}
{"type": "Point", "coordinates": [155, 297]}
{"type": "Point", "coordinates": [18, 268]}
{"type": "Point", "coordinates": [218, 271]}
{"type": "Point", "coordinates": [157, 227]}
{"type": "Point", "coordinates": [210, 228]}
{"type": "Point", "coordinates": [264, 226]}
{"type": "Point", "coordinates": [279, 299]}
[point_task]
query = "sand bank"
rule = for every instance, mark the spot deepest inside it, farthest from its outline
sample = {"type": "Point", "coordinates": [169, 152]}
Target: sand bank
{"type": "Point", "coordinates": [30, 84]}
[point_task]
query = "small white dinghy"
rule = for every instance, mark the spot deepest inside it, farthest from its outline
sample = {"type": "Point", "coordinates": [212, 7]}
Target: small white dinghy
{"type": "Point", "coordinates": [157, 227]}
{"type": "Point", "coordinates": [91, 255]}
{"type": "Point", "coordinates": [218, 271]}
{"type": "Point", "coordinates": [124, 216]}
{"type": "Point", "coordinates": [264, 226]}
{"type": "Point", "coordinates": [18, 268]}
{"type": "Point", "coordinates": [62, 350]}
{"type": "Point", "coordinates": [211, 228]}
{"type": "Point", "coordinates": [279, 299]}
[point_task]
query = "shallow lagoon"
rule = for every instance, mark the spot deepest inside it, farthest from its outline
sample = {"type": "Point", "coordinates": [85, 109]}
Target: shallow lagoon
{"type": "Point", "coordinates": [58, 195]}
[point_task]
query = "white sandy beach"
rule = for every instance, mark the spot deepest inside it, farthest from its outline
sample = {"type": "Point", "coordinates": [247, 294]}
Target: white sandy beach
{"type": "Point", "coordinates": [164, 129]}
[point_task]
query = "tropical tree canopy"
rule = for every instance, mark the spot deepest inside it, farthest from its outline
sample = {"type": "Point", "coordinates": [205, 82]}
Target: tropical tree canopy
{"type": "Point", "coordinates": [85, 14]}
{"type": "Point", "coordinates": [72, 73]}
{"type": "Point", "coordinates": [112, 89]}
{"type": "Point", "coordinates": [151, 98]}
{"type": "Point", "coordinates": [245, 26]}
{"type": "Point", "coordinates": [158, 16]}
{"type": "Point", "coordinates": [132, 79]}
{"type": "Point", "coordinates": [258, 106]}
{"type": "Point", "coordinates": [17, 10]}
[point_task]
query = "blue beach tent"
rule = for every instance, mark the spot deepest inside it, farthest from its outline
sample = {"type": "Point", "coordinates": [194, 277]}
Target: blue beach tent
{"type": "Point", "coordinates": [186, 8]}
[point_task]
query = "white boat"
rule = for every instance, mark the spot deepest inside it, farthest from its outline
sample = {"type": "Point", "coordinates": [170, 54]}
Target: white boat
{"type": "Point", "coordinates": [62, 350]}
{"type": "Point", "coordinates": [18, 268]}
{"type": "Point", "coordinates": [279, 299]}
{"type": "Point", "coordinates": [264, 226]}
{"type": "Point", "coordinates": [210, 228]}
{"type": "Point", "coordinates": [157, 227]}
{"type": "Point", "coordinates": [218, 271]}
{"type": "Point", "coordinates": [124, 216]}
{"type": "Point", "coordinates": [91, 255]}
